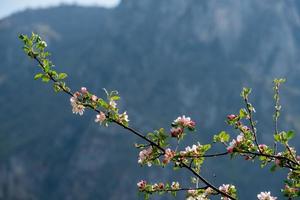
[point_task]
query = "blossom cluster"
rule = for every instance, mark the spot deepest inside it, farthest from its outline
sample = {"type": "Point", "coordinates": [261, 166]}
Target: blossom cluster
{"type": "Point", "coordinates": [194, 150]}
{"type": "Point", "coordinates": [235, 142]}
{"type": "Point", "coordinates": [156, 187]}
{"type": "Point", "coordinates": [200, 194]}
{"type": "Point", "coordinates": [76, 101]}
{"type": "Point", "coordinates": [169, 154]}
{"type": "Point", "coordinates": [83, 98]}
{"type": "Point", "coordinates": [180, 124]}
{"type": "Point", "coordinates": [145, 156]}
{"type": "Point", "coordinates": [228, 189]}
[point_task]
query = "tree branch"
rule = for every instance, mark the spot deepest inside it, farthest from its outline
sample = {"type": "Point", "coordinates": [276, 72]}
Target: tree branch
{"type": "Point", "coordinates": [137, 133]}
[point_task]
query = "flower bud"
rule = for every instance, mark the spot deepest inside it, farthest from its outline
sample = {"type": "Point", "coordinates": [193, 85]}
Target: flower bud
{"type": "Point", "coordinates": [83, 90]}
{"type": "Point", "coordinates": [231, 117]}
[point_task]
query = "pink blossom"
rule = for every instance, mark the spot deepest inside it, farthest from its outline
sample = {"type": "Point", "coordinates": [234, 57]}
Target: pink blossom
{"type": "Point", "coordinates": [231, 146]}
{"type": "Point", "coordinates": [240, 137]}
{"type": "Point", "coordinates": [83, 90]}
{"type": "Point", "coordinates": [176, 132]}
{"type": "Point", "coordinates": [77, 108]}
{"type": "Point", "coordinates": [265, 196]}
{"type": "Point", "coordinates": [224, 188]}
{"type": "Point", "coordinates": [185, 122]}
{"type": "Point", "coordinates": [229, 149]}
{"type": "Point", "coordinates": [101, 117]}
{"type": "Point", "coordinates": [192, 124]}
{"type": "Point", "coordinates": [169, 154]}
{"type": "Point", "coordinates": [231, 117]}
{"type": "Point", "coordinates": [144, 156]}
{"type": "Point", "coordinates": [141, 185]}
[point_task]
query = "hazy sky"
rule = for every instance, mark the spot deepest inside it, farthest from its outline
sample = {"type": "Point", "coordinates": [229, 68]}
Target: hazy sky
{"type": "Point", "coordinates": [8, 7]}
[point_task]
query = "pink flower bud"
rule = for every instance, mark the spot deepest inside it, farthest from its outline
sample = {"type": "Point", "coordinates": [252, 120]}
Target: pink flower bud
{"type": "Point", "coordinates": [176, 132]}
{"type": "Point", "coordinates": [192, 124]}
{"type": "Point", "coordinates": [142, 184]}
{"type": "Point", "coordinates": [230, 149]}
{"type": "Point", "coordinates": [231, 117]}
{"type": "Point", "coordinates": [83, 90]}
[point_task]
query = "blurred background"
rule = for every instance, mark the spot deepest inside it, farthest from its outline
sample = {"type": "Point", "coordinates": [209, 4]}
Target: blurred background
{"type": "Point", "coordinates": [166, 58]}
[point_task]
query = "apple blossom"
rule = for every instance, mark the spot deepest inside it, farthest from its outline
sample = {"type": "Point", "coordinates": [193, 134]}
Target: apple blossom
{"type": "Point", "coordinates": [175, 185]}
{"type": "Point", "coordinates": [77, 108]}
{"type": "Point", "coordinates": [141, 185]}
{"type": "Point", "coordinates": [185, 122]}
{"type": "Point", "coordinates": [231, 146]}
{"type": "Point", "coordinates": [176, 132]}
{"type": "Point", "coordinates": [231, 117]}
{"type": "Point", "coordinates": [144, 155]}
{"type": "Point", "coordinates": [101, 117]}
{"type": "Point", "coordinates": [83, 90]}
{"type": "Point", "coordinates": [169, 154]}
{"type": "Point", "coordinates": [265, 196]}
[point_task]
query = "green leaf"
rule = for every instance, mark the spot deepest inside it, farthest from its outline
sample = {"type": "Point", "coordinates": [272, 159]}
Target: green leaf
{"type": "Point", "coordinates": [290, 135]}
{"type": "Point", "coordinates": [277, 137]}
{"type": "Point", "coordinates": [45, 78]}
{"type": "Point", "coordinates": [206, 147]}
{"type": "Point", "coordinates": [56, 88]}
{"type": "Point", "coordinates": [103, 103]}
{"type": "Point", "coordinates": [245, 92]}
{"type": "Point", "coordinates": [21, 36]}
{"type": "Point", "coordinates": [243, 113]}
{"type": "Point", "coordinates": [115, 98]}
{"type": "Point", "coordinates": [62, 75]}
{"type": "Point", "coordinates": [38, 76]}
{"type": "Point", "coordinates": [273, 168]}
{"type": "Point", "coordinates": [222, 137]}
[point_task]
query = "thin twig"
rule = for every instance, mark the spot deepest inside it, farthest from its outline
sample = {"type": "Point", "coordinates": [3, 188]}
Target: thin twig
{"type": "Point", "coordinates": [252, 123]}
{"type": "Point", "coordinates": [176, 190]}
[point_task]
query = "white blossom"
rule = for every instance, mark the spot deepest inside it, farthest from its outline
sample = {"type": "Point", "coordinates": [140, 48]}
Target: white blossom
{"type": "Point", "coordinates": [101, 117]}
{"type": "Point", "coordinates": [77, 108]}
{"type": "Point", "coordinates": [265, 196]}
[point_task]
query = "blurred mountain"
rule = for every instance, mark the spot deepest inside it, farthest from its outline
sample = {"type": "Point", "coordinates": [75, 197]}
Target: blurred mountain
{"type": "Point", "coordinates": [166, 58]}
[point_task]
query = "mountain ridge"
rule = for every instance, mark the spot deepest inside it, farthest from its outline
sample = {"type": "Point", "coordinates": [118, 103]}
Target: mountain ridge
{"type": "Point", "coordinates": [166, 59]}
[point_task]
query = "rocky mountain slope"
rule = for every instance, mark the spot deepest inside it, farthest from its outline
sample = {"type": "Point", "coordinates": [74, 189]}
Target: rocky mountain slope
{"type": "Point", "coordinates": [166, 58]}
